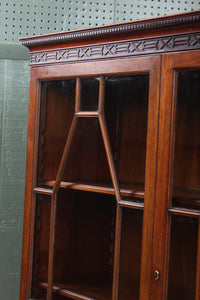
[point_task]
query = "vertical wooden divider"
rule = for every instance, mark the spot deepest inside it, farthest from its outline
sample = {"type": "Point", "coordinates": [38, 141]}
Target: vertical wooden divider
{"type": "Point", "coordinates": [55, 192]}
{"type": "Point", "coordinates": [62, 165]}
{"type": "Point", "coordinates": [110, 159]}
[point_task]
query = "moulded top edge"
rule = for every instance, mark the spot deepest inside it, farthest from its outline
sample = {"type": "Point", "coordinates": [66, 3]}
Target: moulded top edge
{"type": "Point", "coordinates": [112, 30]}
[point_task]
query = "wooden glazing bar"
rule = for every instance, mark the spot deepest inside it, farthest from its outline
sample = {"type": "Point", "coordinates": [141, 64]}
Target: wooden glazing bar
{"type": "Point", "coordinates": [65, 155]}
{"type": "Point", "coordinates": [109, 156]}
{"type": "Point", "coordinates": [197, 297]}
{"type": "Point", "coordinates": [51, 245]}
{"type": "Point", "coordinates": [44, 191]}
{"type": "Point", "coordinates": [87, 114]}
{"type": "Point", "coordinates": [115, 287]}
{"type": "Point", "coordinates": [78, 95]}
{"type": "Point", "coordinates": [53, 207]}
{"type": "Point", "coordinates": [184, 212]}
{"type": "Point", "coordinates": [110, 159]}
{"type": "Point", "coordinates": [101, 95]}
{"type": "Point", "coordinates": [131, 204]}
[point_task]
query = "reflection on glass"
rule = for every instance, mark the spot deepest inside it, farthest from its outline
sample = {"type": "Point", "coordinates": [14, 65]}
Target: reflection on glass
{"type": "Point", "coordinates": [89, 94]}
{"type": "Point", "coordinates": [186, 189]}
{"type": "Point", "coordinates": [84, 249]}
{"type": "Point", "coordinates": [56, 113]}
{"type": "Point", "coordinates": [126, 104]}
{"type": "Point", "coordinates": [182, 259]}
{"type": "Point", "coordinates": [130, 256]}
{"type": "Point", "coordinates": [41, 247]}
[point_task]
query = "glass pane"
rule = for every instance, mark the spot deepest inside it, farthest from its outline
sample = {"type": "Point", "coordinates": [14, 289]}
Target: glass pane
{"type": "Point", "coordinates": [182, 259]}
{"type": "Point", "coordinates": [87, 162]}
{"type": "Point", "coordinates": [186, 189]}
{"type": "Point", "coordinates": [84, 249]}
{"type": "Point", "coordinates": [130, 256]}
{"type": "Point", "coordinates": [56, 113]}
{"type": "Point", "coordinates": [126, 109]}
{"type": "Point", "coordinates": [89, 94]}
{"type": "Point", "coordinates": [41, 247]}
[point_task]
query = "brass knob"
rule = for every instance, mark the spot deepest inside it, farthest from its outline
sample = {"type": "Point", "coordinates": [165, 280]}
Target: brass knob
{"type": "Point", "coordinates": [156, 275]}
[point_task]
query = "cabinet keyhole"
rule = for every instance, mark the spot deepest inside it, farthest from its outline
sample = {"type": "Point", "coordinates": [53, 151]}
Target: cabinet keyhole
{"type": "Point", "coordinates": [156, 275]}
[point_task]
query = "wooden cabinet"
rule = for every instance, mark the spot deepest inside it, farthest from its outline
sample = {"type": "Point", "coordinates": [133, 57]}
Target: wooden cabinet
{"type": "Point", "coordinates": [112, 202]}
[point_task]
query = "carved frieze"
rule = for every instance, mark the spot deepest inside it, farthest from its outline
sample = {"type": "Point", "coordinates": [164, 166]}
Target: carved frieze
{"type": "Point", "coordinates": [114, 50]}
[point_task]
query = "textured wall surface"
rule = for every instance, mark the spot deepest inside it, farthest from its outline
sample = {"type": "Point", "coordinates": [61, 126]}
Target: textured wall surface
{"type": "Point", "coordinates": [14, 81]}
{"type": "Point", "coordinates": [34, 17]}
{"type": "Point", "coordinates": [30, 17]}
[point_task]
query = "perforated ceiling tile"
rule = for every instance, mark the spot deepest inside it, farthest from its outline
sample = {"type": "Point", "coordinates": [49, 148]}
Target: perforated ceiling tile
{"type": "Point", "coordinates": [136, 10]}
{"type": "Point", "coordinates": [82, 14]}
{"type": "Point", "coordinates": [34, 17]}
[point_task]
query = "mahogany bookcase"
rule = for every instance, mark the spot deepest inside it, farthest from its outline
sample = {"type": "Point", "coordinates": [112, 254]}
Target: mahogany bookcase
{"type": "Point", "coordinates": [112, 200]}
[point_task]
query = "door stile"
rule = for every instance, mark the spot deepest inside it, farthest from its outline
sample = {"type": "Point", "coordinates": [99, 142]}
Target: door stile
{"type": "Point", "coordinates": [150, 177]}
{"type": "Point", "coordinates": [174, 76]}
{"type": "Point", "coordinates": [164, 160]}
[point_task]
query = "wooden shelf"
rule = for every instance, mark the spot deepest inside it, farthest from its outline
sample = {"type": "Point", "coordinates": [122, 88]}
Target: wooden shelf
{"type": "Point", "coordinates": [83, 290]}
{"type": "Point", "coordinates": [181, 196]}
{"type": "Point", "coordinates": [126, 191]}
{"type": "Point", "coordinates": [93, 288]}
{"type": "Point", "coordinates": [44, 191]}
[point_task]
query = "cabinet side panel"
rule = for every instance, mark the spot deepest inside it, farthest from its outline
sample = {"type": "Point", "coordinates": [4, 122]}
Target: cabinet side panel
{"type": "Point", "coordinates": [29, 206]}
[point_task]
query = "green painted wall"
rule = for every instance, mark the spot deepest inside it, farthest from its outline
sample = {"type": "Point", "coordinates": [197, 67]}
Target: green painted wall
{"type": "Point", "coordinates": [14, 89]}
{"type": "Point", "coordinates": [34, 17]}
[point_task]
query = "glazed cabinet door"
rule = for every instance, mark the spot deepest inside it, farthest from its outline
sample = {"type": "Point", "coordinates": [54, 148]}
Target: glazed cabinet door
{"type": "Point", "coordinates": [176, 250]}
{"type": "Point", "coordinates": [91, 179]}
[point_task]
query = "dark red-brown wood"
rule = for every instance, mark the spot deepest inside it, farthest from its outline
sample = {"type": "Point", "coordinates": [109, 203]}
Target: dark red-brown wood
{"type": "Point", "coordinates": [81, 183]}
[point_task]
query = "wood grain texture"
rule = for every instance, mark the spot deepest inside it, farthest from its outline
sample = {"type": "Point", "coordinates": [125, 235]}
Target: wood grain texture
{"type": "Point", "coordinates": [29, 206]}
{"type": "Point", "coordinates": [150, 177]}
{"type": "Point", "coordinates": [156, 45]}
{"type": "Point", "coordinates": [161, 202]}
{"type": "Point", "coordinates": [113, 146]}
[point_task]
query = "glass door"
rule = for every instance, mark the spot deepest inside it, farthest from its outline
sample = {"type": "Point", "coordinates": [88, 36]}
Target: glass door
{"type": "Point", "coordinates": [178, 258]}
{"type": "Point", "coordinates": [97, 145]}
{"type": "Point", "coordinates": [183, 276]}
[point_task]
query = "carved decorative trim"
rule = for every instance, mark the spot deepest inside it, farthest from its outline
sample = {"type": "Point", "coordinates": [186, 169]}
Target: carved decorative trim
{"type": "Point", "coordinates": [112, 50]}
{"type": "Point", "coordinates": [113, 30]}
